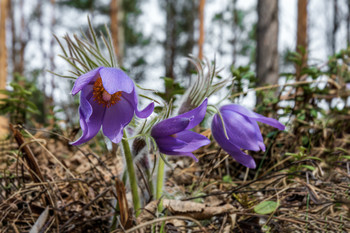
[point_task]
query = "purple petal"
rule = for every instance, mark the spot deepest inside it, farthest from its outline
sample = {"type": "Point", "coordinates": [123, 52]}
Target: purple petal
{"type": "Point", "coordinates": [253, 115]}
{"type": "Point", "coordinates": [85, 79]}
{"type": "Point", "coordinates": [259, 137]}
{"type": "Point", "coordinates": [229, 147]}
{"type": "Point", "coordinates": [85, 96]}
{"type": "Point", "coordinates": [219, 135]}
{"type": "Point", "coordinates": [196, 115]}
{"type": "Point", "coordinates": [146, 112]}
{"type": "Point", "coordinates": [193, 141]}
{"type": "Point", "coordinates": [90, 125]}
{"type": "Point", "coordinates": [116, 118]}
{"type": "Point", "coordinates": [240, 130]}
{"type": "Point", "coordinates": [114, 80]}
{"type": "Point", "coordinates": [132, 99]}
{"type": "Point", "coordinates": [179, 154]}
{"type": "Point", "coordinates": [169, 126]}
{"type": "Point", "coordinates": [169, 143]}
{"type": "Point", "coordinates": [242, 157]}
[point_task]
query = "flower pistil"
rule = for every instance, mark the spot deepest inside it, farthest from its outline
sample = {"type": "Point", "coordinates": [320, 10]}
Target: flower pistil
{"type": "Point", "coordinates": [101, 96]}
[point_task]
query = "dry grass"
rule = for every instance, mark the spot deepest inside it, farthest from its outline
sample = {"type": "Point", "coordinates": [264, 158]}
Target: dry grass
{"type": "Point", "coordinates": [78, 186]}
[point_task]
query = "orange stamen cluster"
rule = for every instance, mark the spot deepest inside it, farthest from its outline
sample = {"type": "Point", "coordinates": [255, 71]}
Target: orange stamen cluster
{"type": "Point", "coordinates": [101, 96]}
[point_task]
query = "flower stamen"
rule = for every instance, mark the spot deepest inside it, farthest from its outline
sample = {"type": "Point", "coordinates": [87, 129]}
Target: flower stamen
{"type": "Point", "coordinates": [101, 96]}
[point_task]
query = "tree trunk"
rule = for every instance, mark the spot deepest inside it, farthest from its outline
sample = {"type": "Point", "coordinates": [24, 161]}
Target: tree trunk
{"type": "Point", "coordinates": [3, 48]}
{"type": "Point", "coordinates": [170, 42]}
{"type": "Point", "coordinates": [267, 42]}
{"type": "Point", "coordinates": [348, 25]}
{"type": "Point", "coordinates": [302, 38]}
{"type": "Point", "coordinates": [116, 18]}
{"type": "Point", "coordinates": [235, 31]}
{"type": "Point", "coordinates": [3, 61]}
{"type": "Point", "coordinates": [201, 29]}
{"type": "Point", "coordinates": [335, 25]}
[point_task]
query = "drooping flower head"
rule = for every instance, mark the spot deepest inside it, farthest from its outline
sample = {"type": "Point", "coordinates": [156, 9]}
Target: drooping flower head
{"type": "Point", "coordinates": [242, 132]}
{"type": "Point", "coordinates": [173, 135]}
{"type": "Point", "coordinates": [108, 99]}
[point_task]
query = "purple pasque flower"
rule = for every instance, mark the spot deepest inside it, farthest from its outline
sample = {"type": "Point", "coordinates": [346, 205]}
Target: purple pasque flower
{"type": "Point", "coordinates": [173, 135]}
{"type": "Point", "coordinates": [108, 99]}
{"type": "Point", "coordinates": [242, 132]}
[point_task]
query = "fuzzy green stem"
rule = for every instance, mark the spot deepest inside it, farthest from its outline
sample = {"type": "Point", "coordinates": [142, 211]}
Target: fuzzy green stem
{"type": "Point", "coordinates": [131, 173]}
{"type": "Point", "coordinates": [160, 181]}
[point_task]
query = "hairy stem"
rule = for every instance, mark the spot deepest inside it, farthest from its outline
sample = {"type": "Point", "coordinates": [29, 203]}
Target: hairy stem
{"type": "Point", "coordinates": [160, 181]}
{"type": "Point", "coordinates": [131, 173]}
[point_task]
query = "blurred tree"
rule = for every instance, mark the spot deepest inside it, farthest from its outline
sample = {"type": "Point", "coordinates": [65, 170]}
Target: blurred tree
{"type": "Point", "coordinates": [3, 60]}
{"type": "Point", "coordinates": [336, 24]}
{"type": "Point", "coordinates": [116, 17]}
{"type": "Point", "coordinates": [21, 35]}
{"type": "Point", "coordinates": [235, 26]}
{"type": "Point", "coordinates": [302, 37]}
{"type": "Point", "coordinates": [348, 24]}
{"type": "Point", "coordinates": [170, 41]}
{"type": "Point", "coordinates": [179, 41]}
{"type": "Point", "coordinates": [3, 49]}
{"type": "Point", "coordinates": [267, 42]}
{"type": "Point", "coordinates": [201, 29]}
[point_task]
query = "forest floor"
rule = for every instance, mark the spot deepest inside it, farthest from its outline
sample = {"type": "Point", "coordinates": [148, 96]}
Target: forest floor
{"type": "Point", "coordinates": [301, 185]}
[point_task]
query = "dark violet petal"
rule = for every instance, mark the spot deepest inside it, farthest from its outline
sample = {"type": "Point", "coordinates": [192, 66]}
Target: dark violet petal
{"type": "Point", "coordinates": [252, 115]}
{"type": "Point", "coordinates": [169, 126]}
{"type": "Point", "coordinates": [116, 118]}
{"type": "Point", "coordinates": [259, 137]}
{"type": "Point", "coordinates": [146, 112]}
{"type": "Point", "coordinates": [90, 125]}
{"type": "Point", "coordinates": [132, 99]}
{"type": "Point", "coordinates": [193, 141]}
{"type": "Point", "coordinates": [219, 135]}
{"type": "Point", "coordinates": [179, 154]}
{"type": "Point", "coordinates": [85, 105]}
{"type": "Point", "coordinates": [85, 79]}
{"type": "Point", "coordinates": [196, 115]}
{"type": "Point", "coordinates": [114, 80]}
{"type": "Point", "coordinates": [242, 158]}
{"type": "Point", "coordinates": [228, 146]}
{"type": "Point", "coordinates": [240, 130]}
{"type": "Point", "coordinates": [169, 143]}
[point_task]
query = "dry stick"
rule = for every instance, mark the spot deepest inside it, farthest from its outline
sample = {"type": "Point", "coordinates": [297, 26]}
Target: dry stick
{"type": "Point", "coordinates": [34, 170]}
{"type": "Point", "coordinates": [125, 218]}
{"type": "Point", "coordinates": [284, 85]}
{"type": "Point", "coordinates": [230, 192]}
{"type": "Point", "coordinates": [28, 155]}
{"type": "Point", "coordinates": [85, 207]}
{"type": "Point", "coordinates": [41, 184]}
{"type": "Point", "coordinates": [140, 226]}
{"type": "Point", "coordinates": [59, 162]}
{"type": "Point", "coordinates": [64, 167]}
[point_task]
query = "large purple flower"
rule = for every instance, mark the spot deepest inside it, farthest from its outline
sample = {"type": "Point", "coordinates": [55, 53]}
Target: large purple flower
{"type": "Point", "coordinates": [173, 135]}
{"type": "Point", "coordinates": [242, 132]}
{"type": "Point", "coordinates": [107, 99]}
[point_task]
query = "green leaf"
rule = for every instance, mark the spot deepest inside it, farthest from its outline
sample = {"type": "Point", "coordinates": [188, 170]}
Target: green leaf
{"type": "Point", "coordinates": [227, 179]}
{"type": "Point", "coordinates": [313, 157]}
{"type": "Point", "coordinates": [266, 207]}
{"type": "Point", "coordinates": [308, 167]}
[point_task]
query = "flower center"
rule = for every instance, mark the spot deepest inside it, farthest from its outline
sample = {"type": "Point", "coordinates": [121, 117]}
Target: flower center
{"type": "Point", "coordinates": [101, 96]}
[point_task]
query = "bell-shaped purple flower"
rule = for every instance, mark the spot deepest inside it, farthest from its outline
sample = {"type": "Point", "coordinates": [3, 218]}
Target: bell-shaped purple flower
{"type": "Point", "coordinates": [108, 99]}
{"type": "Point", "coordinates": [173, 135]}
{"type": "Point", "coordinates": [242, 132]}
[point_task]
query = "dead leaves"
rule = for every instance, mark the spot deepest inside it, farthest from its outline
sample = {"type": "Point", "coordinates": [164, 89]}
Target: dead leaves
{"type": "Point", "coordinates": [196, 210]}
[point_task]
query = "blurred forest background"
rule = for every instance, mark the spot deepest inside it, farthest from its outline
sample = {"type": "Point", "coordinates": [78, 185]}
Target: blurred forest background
{"type": "Point", "coordinates": [255, 41]}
